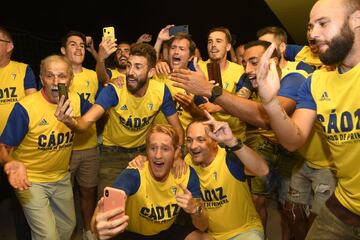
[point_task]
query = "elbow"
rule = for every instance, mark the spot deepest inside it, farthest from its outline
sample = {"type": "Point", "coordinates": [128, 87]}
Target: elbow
{"type": "Point", "coordinates": [264, 171]}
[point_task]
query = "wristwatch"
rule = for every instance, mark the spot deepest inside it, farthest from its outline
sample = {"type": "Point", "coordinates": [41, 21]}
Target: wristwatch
{"type": "Point", "coordinates": [237, 146]}
{"type": "Point", "coordinates": [198, 210]}
{"type": "Point", "coordinates": [215, 92]}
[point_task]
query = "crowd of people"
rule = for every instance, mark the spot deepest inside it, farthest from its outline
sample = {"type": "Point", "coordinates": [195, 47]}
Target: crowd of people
{"type": "Point", "coordinates": [196, 159]}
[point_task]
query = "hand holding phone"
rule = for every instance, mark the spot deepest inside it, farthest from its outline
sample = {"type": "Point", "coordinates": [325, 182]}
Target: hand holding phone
{"type": "Point", "coordinates": [63, 91]}
{"type": "Point", "coordinates": [114, 198]}
{"type": "Point", "coordinates": [109, 32]}
{"type": "Point", "coordinates": [181, 28]}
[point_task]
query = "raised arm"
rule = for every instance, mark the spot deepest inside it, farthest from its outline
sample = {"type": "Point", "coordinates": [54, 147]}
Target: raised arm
{"type": "Point", "coordinates": [222, 133]}
{"type": "Point", "coordinates": [106, 48]}
{"type": "Point", "coordinates": [291, 132]}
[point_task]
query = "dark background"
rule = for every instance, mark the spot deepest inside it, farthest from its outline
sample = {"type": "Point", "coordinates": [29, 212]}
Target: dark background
{"type": "Point", "coordinates": [37, 27]}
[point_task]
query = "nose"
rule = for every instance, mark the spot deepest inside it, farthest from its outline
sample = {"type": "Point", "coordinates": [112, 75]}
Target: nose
{"type": "Point", "coordinates": [313, 32]}
{"type": "Point", "coordinates": [249, 69]}
{"type": "Point", "coordinates": [158, 153]}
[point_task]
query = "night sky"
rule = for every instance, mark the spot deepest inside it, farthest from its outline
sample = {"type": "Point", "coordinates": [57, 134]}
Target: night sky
{"type": "Point", "coordinates": [38, 27]}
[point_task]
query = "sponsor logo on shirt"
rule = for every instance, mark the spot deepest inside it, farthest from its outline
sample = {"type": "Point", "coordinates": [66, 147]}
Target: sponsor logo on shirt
{"type": "Point", "coordinates": [325, 97]}
{"type": "Point", "coordinates": [43, 122]}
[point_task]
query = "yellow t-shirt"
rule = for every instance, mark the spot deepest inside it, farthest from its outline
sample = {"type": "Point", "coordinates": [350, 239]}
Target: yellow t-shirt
{"type": "Point", "coordinates": [230, 78]}
{"type": "Point", "coordinates": [12, 80]}
{"type": "Point", "coordinates": [46, 145]}
{"type": "Point", "coordinates": [86, 84]}
{"type": "Point", "coordinates": [227, 198]}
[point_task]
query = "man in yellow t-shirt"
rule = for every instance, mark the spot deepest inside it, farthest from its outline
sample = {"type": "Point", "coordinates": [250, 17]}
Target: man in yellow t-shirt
{"type": "Point", "coordinates": [37, 147]}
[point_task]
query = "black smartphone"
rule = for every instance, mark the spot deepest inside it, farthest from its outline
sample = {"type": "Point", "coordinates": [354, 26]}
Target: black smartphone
{"type": "Point", "coordinates": [181, 28]}
{"type": "Point", "coordinates": [63, 90]}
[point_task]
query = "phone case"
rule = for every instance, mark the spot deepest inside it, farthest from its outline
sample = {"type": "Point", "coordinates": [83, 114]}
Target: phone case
{"type": "Point", "coordinates": [108, 32]}
{"type": "Point", "coordinates": [214, 72]}
{"type": "Point", "coordinates": [114, 198]}
{"type": "Point", "coordinates": [181, 28]}
{"type": "Point", "coordinates": [63, 90]}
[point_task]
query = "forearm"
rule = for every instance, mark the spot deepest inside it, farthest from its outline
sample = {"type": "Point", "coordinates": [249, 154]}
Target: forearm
{"type": "Point", "coordinates": [157, 47]}
{"type": "Point", "coordinates": [287, 132]}
{"type": "Point", "coordinates": [101, 71]}
{"type": "Point", "coordinates": [252, 161]}
{"type": "Point", "coordinates": [5, 157]}
{"type": "Point", "coordinates": [201, 221]}
{"type": "Point", "coordinates": [246, 110]}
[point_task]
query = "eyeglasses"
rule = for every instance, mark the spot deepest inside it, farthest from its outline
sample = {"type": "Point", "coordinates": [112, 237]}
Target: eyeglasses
{"type": "Point", "coordinates": [3, 40]}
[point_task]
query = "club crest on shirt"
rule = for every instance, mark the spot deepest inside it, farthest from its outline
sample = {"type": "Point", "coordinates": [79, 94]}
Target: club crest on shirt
{"type": "Point", "coordinates": [150, 106]}
{"type": "Point", "coordinates": [173, 190]}
{"type": "Point", "coordinates": [87, 83]}
{"type": "Point", "coordinates": [214, 175]}
{"type": "Point", "coordinates": [13, 76]}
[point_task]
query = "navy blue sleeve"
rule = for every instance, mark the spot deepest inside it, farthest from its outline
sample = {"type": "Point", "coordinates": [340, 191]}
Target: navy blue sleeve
{"type": "Point", "coordinates": [85, 105]}
{"type": "Point", "coordinates": [168, 105]}
{"type": "Point", "coordinates": [100, 87]}
{"type": "Point", "coordinates": [107, 97]}
{"type": "Point", "coordinates": [199, 100]}
{"type": "Point", "coordinates": [290, 84]}
{"type": "Point", "coordinates": [29, 81]}
{"type": "Point", "coordinates": [304, 66]}
{"type": "Point", "coordinates": [16, 127]}
{"type": "Point", "coordinates": [291, 51]}
{"type": "Point", "coordinates": [305, 98]}
{"type": "Point", "coordinates": [128, 181]}
{"type": "Point", "coordinates": [235, 166]}
{"type": "Point", "coordinates": [241, 82]}
{"type": "Point", "coordinates": [194, 184]}
{"type": "Point", "coordinates": [109, 73]}
{"type": "Point", "coordinates": [191, 66]}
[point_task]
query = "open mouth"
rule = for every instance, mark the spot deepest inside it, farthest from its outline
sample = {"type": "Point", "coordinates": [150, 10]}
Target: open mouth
{"type": "Point", "coordinates": [176, 60]}
{"type": "Point", "coordinates": [158, 164]}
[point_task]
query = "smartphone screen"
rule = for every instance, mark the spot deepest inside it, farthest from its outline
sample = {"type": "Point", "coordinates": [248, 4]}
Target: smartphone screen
{"type": "Point", "coordinates": [181, 28]}
{"type": "Point", "coordinates": [109, 32]}
{"type": "Point", "coordinates": [63, 91]}
{"type": "Point", "coordinates": [114, 198]}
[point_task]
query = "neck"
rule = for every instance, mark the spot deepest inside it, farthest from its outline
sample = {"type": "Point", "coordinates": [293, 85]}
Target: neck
{"type": "Point", "coordinates": [77, 68]}
{"type": "Point", "coordinates": [4, 62]}
{"type": "Point", "coordinates": [142, 91]}
{"type": "Point", "coordinates": [283, 63]}
{"type": "Point", "coordinates": [352, 59]}
{"type": "Point", "coordinates": [210, 159]}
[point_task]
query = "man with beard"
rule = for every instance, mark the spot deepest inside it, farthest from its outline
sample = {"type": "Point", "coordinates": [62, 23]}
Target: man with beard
{"type": "Point", "coordinates": [84, 163]}
{"type": "Point", "coordinates": [132, 110]}
{"type": "Point", "coordinates": [313, 182]}
{"type": "Point", "coordinates": [107, 47]}
{"type": "Point", "coordinates": [328, 97]}
{"type": "Point", "coordinates": [278, 36]}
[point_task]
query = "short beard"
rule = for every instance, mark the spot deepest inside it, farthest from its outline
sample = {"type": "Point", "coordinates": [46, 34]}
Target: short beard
{"type": "Point", "coordinates": [140, 85]}
{"type": "Point", "coordinates": [339, 46]}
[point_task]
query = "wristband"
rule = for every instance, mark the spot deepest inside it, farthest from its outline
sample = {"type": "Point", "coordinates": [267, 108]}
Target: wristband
{"type": "Point", "coordinates": [237, 146]}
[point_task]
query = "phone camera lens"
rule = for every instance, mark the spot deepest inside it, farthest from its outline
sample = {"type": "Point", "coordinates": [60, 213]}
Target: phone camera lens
{"type": "Point", "coordinates": [106, 193]}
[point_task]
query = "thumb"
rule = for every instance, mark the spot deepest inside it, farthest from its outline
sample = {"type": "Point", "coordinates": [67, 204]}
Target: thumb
{"type": "Point", "coordinates": [195, 63]}
{"type": "Point", "coordinates": [186, 191]}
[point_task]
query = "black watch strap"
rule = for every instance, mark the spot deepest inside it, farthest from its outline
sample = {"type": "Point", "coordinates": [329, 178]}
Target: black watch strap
{"type": "Point", "coordinates": [215, 93]}
{"type": "Point", "coordinates": [236, 147]}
